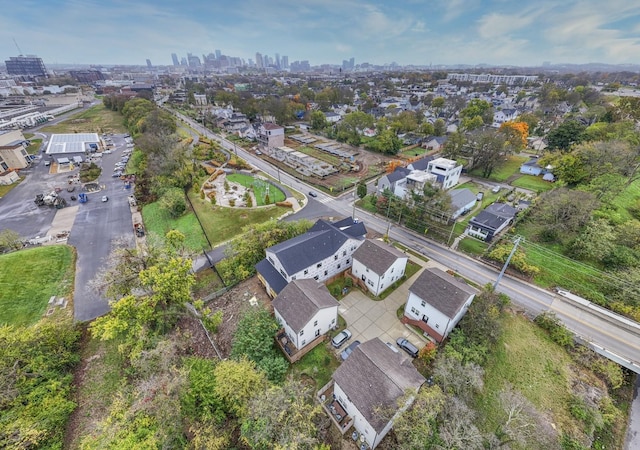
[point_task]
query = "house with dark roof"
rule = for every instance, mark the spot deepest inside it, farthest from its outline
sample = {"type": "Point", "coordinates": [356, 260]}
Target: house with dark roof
{"type": "Point", "coordinates": [378, 265]}
{"type": "Point", "coordinates": [491, 221]}
{"type": "Point", "coordinates": [434, 142]}
{"type": "Point", "coordinates": [420, 164]}
{"type": "Point", "coordinates": [321, 253]}
{"type": "Point", "coordinates": [390, 180]}
{"type": "Point", "coordinates": [270, 135]}
{"type": "Point", "coordinates": [369, 385]}
{"type": "Point", "coordinates": [306, 310]}
{"type": "Point", "coordinates": [462, 201]}
{"type": "Point", "coordinates": [436, 303]}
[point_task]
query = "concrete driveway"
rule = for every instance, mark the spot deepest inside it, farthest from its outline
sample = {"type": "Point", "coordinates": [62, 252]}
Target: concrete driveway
{"type": "Point", "coordinates": [368, 319]}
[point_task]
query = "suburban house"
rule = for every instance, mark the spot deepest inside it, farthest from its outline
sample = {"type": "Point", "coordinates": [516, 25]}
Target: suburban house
{"type": "Point", "coordinates": [321, 253]}
{"type": "Point", "coordinates": [270, 135]}
{"type": "Point", "coordinates": [332, 117]}
{"type": "Point", "coordinates": [13, 153]}
{"type": "Point", "coordinates": [390, 180]}
{"type": "Point", "coordinates": [437, 302]}
{"type": "Point", "coordinates": [420, 164]}
{"type": "Point", "coordinates": [447, 170]}
{"type": "Point", "coordinates": [306, 310]}
{"type": "Point", "coordinates": [462, 201]}
{"type": "Point", "coordinates": [368, 386]}
{"type": "Point", "coordinates": [504, 115]}
{"type": "Point", "coordinates": [434, 142]}
{"type": "Point", "coordinates": [532, 167]}
{"type": "Point", "coordinates": [236, 122]}
{"type": "Point", "coordinates": [491, 221]}
{"type": "Point", "coordinates": [378, 265]}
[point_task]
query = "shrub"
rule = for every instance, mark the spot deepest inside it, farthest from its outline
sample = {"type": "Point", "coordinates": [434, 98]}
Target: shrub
{"type": "Point", "coordinates": [428, 352]}
{"type": "Point", "coordinates": [557, 331]}
{"type": "Point", "coordinates": [285, 204]}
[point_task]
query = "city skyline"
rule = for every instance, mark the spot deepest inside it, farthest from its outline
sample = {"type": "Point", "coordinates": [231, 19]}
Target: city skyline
{"type": "Point", "coordinates": [325, 31]}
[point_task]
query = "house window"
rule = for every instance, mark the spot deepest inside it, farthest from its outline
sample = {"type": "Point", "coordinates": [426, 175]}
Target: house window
{"type": "Point", "coordinates": [315, 324]}
{"type": "Point", "coordinates": [392, 269]}
{"type": "Point", "coordinates": [293, 277]}
{"type": "Point", "coordinates": [306, 271]}
{"type": "Point", "coordinates": [270, 259]}
{"type": "Point", "coordinates": [344, 253]}
{"type": "Point", "coordinates": [303, 343]}
{"type": "Point", "coordinates": [415, 311]}
{"type": "Point", "coordinates": [301, 332]}
{"type": "Point", "coordinates": [339, 265]}
{"type": "Point", "coordinates": [348, 261]}
{"type": "Point", "coordinates": [317, 333]}
{"type": "Point", "coordinates": [316, 277]}
{"type": "Point", "coordinates": [425, 319]}
{"type": "Point", "coordinates": [423, 303]}
{"type": "Point", "coordinates": [367, 269]}
{"type": "Point", "coordinates": [326, 273]}
{"type": "Point", "coordinates": [335, 257]}
{"type": "Point", "coordinates": [437, 326]}
{"type": "Point", "coordinates": [284, 275]}
{"type": "Point", "coordinates": [319, 265]}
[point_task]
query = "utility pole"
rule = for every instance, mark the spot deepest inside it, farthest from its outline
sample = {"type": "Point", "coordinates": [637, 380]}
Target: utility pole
{"type": "Point", "coordinates": [504, 268]}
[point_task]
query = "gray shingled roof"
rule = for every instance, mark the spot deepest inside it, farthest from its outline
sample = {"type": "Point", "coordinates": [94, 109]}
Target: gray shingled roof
{"type": "Point", "coordinates": [321, 241]}
{"type": "Point", "coordinates": [377, 255]}
{"type": "Point", "coordinates": [442, 291]}
{"type": "Point", "coordinates": [422, 163]}
{"type": "Point", "coordinates": [461, 197]}
{"type": "Point", "coordinates": [375, 376]}
{"type": "Point", "coordinates": [398, 174]}
{"type": "Point", "coordinates": [271, 275]}
{"type": "Point", "coordinates": [300, 300]}
{"type": "Point", "coordinates": [493, 216]}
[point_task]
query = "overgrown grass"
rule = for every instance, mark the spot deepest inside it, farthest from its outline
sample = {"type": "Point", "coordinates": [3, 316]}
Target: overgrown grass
{"type": "Point", "coordinates": [510, 166]}
{"type": "Point", "coordinates": [472, 246]}
{"type": "Point", "coordinates": [535, 184]}
{"type": "Point", "coordinates": [30, 277]}
{"type": "Point", "coordinates": [626, 199]}
{"type": "Point", "coordinates": [33, 148]}
{"type": "Point", "coordinates": [158, 221]}
{"type": "Point", "coordinates": [319, 364]}
{"type": "Point", "coordinates": [529, 361]}
{"type": "Point", "coordinates": [259, 188]}
{"type": "Point", "coordinates": [102, 377]}
{"type": "Point", "coordinates": [207, 282]}
{"type": "Point", "coordinates": [96, 119]}
{"type": "Point", "coordinates": [222, 224]}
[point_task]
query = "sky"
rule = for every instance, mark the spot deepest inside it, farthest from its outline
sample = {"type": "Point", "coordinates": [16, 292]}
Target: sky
{"type": "Point", "coordinates": [420, 32]}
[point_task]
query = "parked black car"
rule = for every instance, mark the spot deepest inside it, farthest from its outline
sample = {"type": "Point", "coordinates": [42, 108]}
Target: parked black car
{"type": "Point", "coordinates": [407, 347]}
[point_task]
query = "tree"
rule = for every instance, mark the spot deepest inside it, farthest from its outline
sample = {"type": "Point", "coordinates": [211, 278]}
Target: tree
{"type": "Point", "coordinates": [352, 125]}
{"type": "Point", "coordinates": [565, 135]}
{"type": "Point", "coordinates": [516, 133]}
{"type": "Point", "coordinates": [456, 427]}
{"type": "Point", "coordinates": [253, 339]}
{"type": "Point", "coordinates": [437, 103]}
{"type": "Point", "coordinates": [9, 240]}
{"type": "Point", "coordinates": [282, 417]}
{"type": "Point", "coordinates": [518, 261]}
{"type": "Point", "coordinates": [237, 382]}
{"type": "Point", "coordinates": [476, 108]}
{"type": "Point", "coordinates": [595, 241]}
{"type": "Point", "coordinates": [361, 189]}
{"type": "Point", "coordinates": [488, 150]}
{"type": "Point", "coordinates": [318, 120]}
{"type": "Point", "coordinates": [563, 211]}
{"type": "Point", "coordinates": [439, 127]}
{"type": "Point", "coordinates": [173, 202]}
{"type": "Point", "coordinates": [454, 145]}
{"type": "Point", "coordinates": [416, 427]}
{"type": "Point", "coordinates": [456, 378]}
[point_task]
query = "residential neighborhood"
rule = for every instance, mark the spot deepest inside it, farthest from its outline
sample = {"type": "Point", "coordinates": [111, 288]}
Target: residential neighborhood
{"type": "Point", "coordinates": [242, 251]}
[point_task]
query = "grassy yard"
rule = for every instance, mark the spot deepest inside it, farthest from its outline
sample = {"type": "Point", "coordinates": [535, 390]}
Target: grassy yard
{"type": "Point", "coordinates": [472, 246]}
{"type": "Point", "coordinates": [96, 119]}
{"type": "Point", "coordinates": [259, 188]}
{"type": "Point", "coordinates": [207, 281]}
{"type": "Point", "coordinates": [319, 364]}
{"type": "Point", "coordinates": [34, 275]}
{"type": "Point", "coordinates": [222, 224]}
{"type": "Point", "coordinates": [541, 370]}
{"type": "Point", "coordinates": [158, 221]}
{"type": "Point", "coordinates": [509, 167]}
{"type": "Point", "coordinates": [535, 184]}
{"type": "Point", "coordinates": [626, 199]}
{"type": "Point", "coordinates": [33, 148]}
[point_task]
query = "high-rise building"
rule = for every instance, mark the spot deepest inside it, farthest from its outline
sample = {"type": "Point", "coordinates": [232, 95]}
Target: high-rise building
{"type": "Point", "coordinates": [259, 60]}
{"type": "Point", "coordinates": [28, 66]}
{"type": "Point", "coordinates": [193, 60]}
{"type": "Point", "coordinates": [149, 66]}
{"type": "Point", "coordinates": [278, 60]}
{"type": "Point", "coordinates": [183, 61]}
{"type": "Point", "coordinates": [174, 58]}
{"type": "Point", "coordinates": [285, 62]}
{"type": "Point", "coordinates": [218, 54]}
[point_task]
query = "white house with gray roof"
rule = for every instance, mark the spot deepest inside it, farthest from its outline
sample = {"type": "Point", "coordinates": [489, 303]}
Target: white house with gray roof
{"type": "Point", "coordinates": [306, 310]}
{"type": "Point", "coordinates": [372, 380]}
{"type": "Point", "coordinates": [378, 265]}
{"type": "Point", "coordinates": [436, 303]}
{"type": "Point", "coordinates": [321, 253]}
{"type": "Point", "coordinates": [462, 200]}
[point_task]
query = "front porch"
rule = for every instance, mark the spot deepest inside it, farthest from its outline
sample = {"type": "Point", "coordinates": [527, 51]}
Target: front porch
{"type": "Point", "coordinates": [334, 409]}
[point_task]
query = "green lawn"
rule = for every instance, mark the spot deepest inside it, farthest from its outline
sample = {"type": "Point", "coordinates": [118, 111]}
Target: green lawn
{"type": "Point", "coordinates": [96, 119]}
{"type": "Point", "coordinates": [541, 370]}
{"type": "Point", "coordinates": [472, 246]}
{"type": "Point", "coordinates": [535, 184]}
{"type": "Point", "coordinates": [33, 148]}
{"type": "Point", "coordinates": [30, 277]}
{"type": "Point", "coordinates": [626, 199]}
{"type": "Point", "coordinates": [319, 364]}
{"type": "Point", "coordinates": [509, 167]}
{"type": "Point", "coordinates": [222, 224]}
{"type": "Point", "coordinates": [259, 188]}
{"type": "Point", "coordinates": [160, 222]}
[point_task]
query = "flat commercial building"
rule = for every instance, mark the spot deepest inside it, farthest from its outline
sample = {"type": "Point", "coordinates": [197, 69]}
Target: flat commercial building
{"type": "Point", "coordinates": [64, 145]}
{"type": "Point", "coordinates": [28, 66]}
